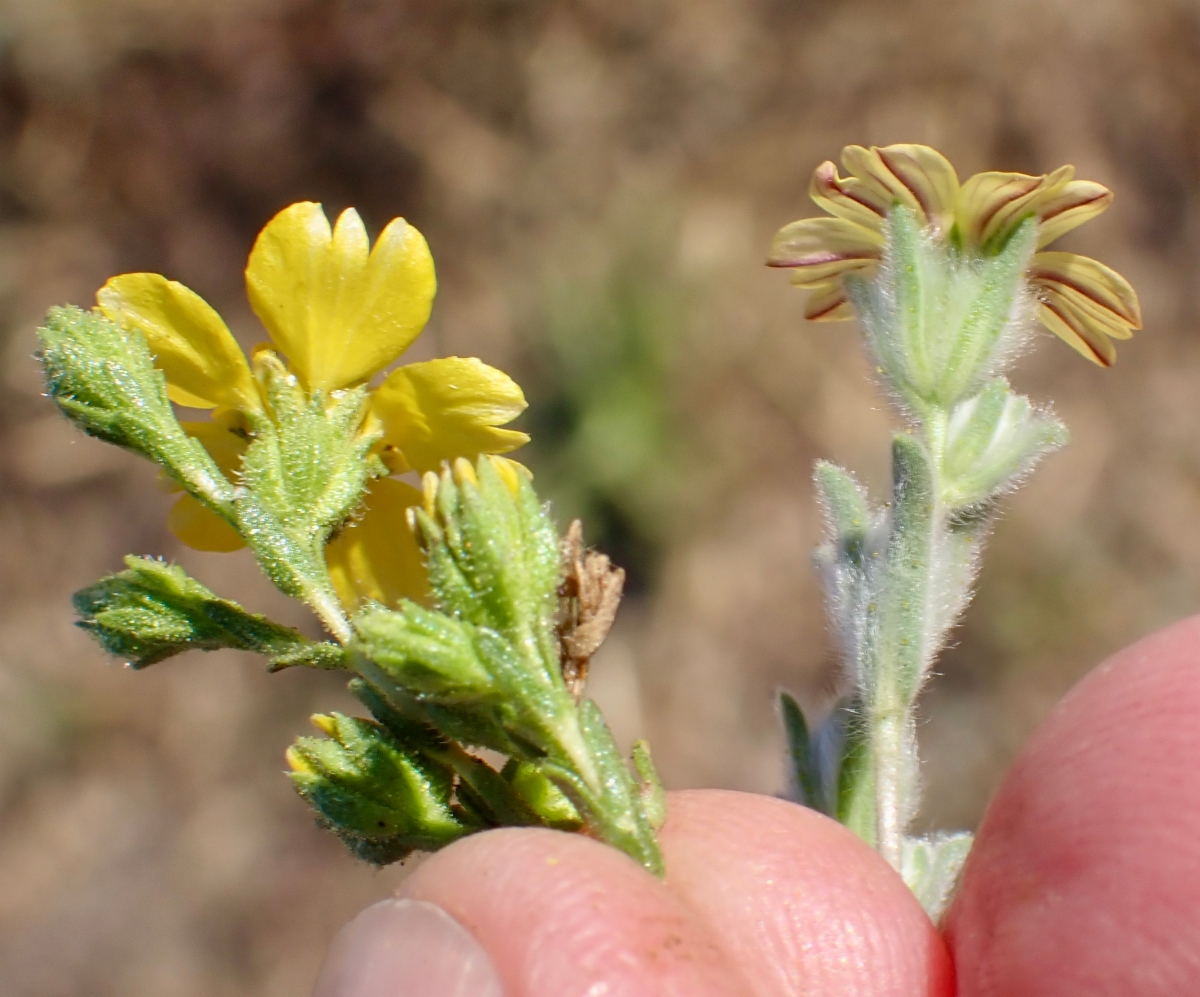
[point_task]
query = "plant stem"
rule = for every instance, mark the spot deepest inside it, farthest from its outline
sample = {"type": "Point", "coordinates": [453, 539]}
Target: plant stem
{"type": "Point", "coordinates": [887, 753]}
{"type": "Point", "coordinates": [330, 613]}
{"type": "Point", "coordinates": [905, 632]}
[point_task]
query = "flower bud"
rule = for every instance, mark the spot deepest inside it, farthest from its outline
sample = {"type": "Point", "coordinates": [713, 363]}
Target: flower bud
{"type": "Point", "coordinates": [380, 796]}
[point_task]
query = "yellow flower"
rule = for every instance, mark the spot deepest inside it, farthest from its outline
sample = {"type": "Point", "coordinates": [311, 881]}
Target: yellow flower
{"type": "Point", "coordinates": [340, 311]}
{"type": "Point", "coordinates": [1082, 301]}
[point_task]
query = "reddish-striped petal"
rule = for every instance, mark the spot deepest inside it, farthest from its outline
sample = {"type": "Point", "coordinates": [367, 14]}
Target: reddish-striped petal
{"type": "Point", "coordinates": [918, 177]}
{"type": "Point", "coordinates": [847, 198]}
{"type": "Point", "coordinates": [1091, 280]}
{"type": "Point", "coordinates": [822, 248]}
{"type": "Point", "coordinates": [928, 175]}
{"type": "Point", "coordinates": [1072, 205]}
{"type": "Point", "coordinates": [1080, 329]}
{"type": "Point", "coordinates": [991, 205]}
{"type": "Point", "coordinates": [827, 302]}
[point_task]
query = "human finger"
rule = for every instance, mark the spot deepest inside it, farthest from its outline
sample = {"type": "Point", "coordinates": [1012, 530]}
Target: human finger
{"type": "Point", "coordinates": [561, 914]}
{"type": "Point", "coordinates": [800, 905]}
{"type": "Point", "coordinates": [1085, 875]}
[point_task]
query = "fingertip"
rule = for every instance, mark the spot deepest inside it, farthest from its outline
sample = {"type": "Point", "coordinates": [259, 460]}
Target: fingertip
{"type": "Point", "coordinates": [799, 903]}
{"type": "Point", "coordinates": [1086, 869]}
{"type": "Point", "coordinates": [562, 914]}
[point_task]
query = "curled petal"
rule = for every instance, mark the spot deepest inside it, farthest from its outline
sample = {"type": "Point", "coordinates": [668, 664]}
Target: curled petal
{"type": "Point", "coordinates": [928, 175]}
{"type": "Point", "coordinates": [827, 302]}
{"type": "Point", "coordinates": [917, 176]}
{"type": "Point", "coordinates": [992, 205]}
{"type": "Point", "coordinates": [1091, 280]}
{"type": "Point", "coordinates": [1080, 327]}
{"type": "Point", "coordinates": [377, 557]}
{"type": "Point", "coordinates": [823, 248]}
{"type": "Point", "coordinates": [1086, 309]}
{"type": "Point", "coordinates": [339, 310]}
{"type": "Point", "coordinates": [448, 408]}
{"type": "Point", "coordinates": [847, 198]}
{"type": "Point", "coordinates": [201, 529]}
{"type": "Point", "coordinates": [193, 347]}
{"type": "Point", "coordinates": [1069, 207]}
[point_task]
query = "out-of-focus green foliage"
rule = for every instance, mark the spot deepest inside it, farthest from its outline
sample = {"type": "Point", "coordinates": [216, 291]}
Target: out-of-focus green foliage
{"type": "Point", "coordinates": [607, 438]}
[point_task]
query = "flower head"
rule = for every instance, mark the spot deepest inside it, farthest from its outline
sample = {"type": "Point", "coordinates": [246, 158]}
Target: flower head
{"type": "Point", "coordinates": [1083, 302]}
{"type": "Point", "coordinates": [340, 311]}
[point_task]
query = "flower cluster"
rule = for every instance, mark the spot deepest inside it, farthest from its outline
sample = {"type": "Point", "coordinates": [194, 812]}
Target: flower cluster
{"type": "Point", "coordinates": [340, 311]}
{"type": "Point", "coordinates": [1082, 301]}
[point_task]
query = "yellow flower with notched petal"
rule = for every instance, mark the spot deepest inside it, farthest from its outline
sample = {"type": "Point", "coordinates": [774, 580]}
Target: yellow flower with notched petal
{"type": "Point", "coordinates": [1083, 302]}
{"type": "Point", "coordinates": [340, 311]}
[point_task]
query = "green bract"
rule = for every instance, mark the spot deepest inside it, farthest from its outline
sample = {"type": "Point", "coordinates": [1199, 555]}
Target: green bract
{"type": "Point", "coordinates": [102, 377]}
{"type": "Point", "coordinates": [486, 668]}
{"type": "Point", "coordinates": [153, 611]}
{"type": "Point", "coordinates": [383, 798]}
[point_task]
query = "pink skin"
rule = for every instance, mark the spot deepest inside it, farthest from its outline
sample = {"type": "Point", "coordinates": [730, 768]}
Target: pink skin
{"type": "Point", "coordinates": [1085, 878]}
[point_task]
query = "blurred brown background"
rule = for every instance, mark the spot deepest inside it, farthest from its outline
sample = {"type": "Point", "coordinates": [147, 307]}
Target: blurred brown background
{"type": "Point", "coordinates": [599, 180]}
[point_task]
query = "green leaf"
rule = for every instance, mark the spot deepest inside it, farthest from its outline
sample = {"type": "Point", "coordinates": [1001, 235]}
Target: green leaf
{"type": "Point", "coordinates": [428, 654]}
{"type": "Point", "coordinates": [805, 767]}
{"type": "Point", "coordinates": [903, 648]}
{"type": "Point", "coordinates": [993, 440]}
{"type": "Point", "coordinates": [989, 317]}
{"type": "Point", "coordinates": [931, 867]}
{"type": "Point", "coordinates": [654, 796]}
{"type": "Point", "coordinates": [375, 792]}
{"type": "Point", "coordinates": [856, 783]}
{"type": "Point", "coordinates": [103, 378]}
{"type": "Point", "coordinates": [303, 476]}
{"type": "Point", "coordinates": [153, 610]}
{"type": "Point", "coordinates": [493, 556]}
{"type": "Point", "coordinates": [481, 788]}
{"type": "Point", "coordinates": [542, 796]}
{"type": "Point", "coordinates": [847, 516]}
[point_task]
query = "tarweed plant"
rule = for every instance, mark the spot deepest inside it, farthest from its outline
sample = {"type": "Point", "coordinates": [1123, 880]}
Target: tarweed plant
{"type": "Point", "coordinates": [948, 283]}
{"type": "Point", "coordinates": [464, 621]}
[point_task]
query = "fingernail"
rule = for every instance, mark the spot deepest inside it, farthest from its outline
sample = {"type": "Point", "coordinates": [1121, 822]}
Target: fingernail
{"type": "Point", "coordinates": [406, 948]}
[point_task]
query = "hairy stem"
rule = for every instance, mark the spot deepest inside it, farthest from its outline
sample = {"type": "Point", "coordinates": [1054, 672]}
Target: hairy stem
{"type": "Point", "coordinates": [330, 613]}
{"type": "Point", "coordinates": [887, 737]}
{"type": "Point", "coordinates": [906, 632]}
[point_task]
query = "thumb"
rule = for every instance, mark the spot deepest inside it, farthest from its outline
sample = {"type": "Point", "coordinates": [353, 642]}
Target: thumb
{"type": "Point", "coordinates": [407, 947]}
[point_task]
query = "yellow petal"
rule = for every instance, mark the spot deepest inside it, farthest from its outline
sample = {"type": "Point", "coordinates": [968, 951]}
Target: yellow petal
{"type": "Point", "coordinates": [447, 408]}
{"type": "Point", "coordinates": [339, 312]}
{"type": "Point", "coordinates": [224, 438]}
{"type": "Point", "coordinates": [827, 302]}
{"type": "Point", "coordinates": [1075, 203]}
{"type": "Point", "coordinates": [226, 446]}
{"type": "Point", "coordinates": [1091, 280]}
{"type": "Point", "coordinates": [203, 363]}
{"type": "Point", "coordinates": [201, 529]}
{"type": "Point", "coordinates": [819, 249]}
{"type": "Point", "coordinates": [847, 197]}
{"type": "Point", "coordinates": [377, 556]}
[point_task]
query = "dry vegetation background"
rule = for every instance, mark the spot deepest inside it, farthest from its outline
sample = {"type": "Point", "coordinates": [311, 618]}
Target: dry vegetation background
{"type": "Point", "coordinates": [599, 180]}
